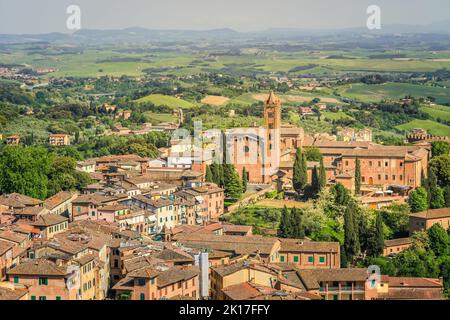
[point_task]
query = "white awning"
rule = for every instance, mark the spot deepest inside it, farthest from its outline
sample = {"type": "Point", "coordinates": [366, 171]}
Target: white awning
{"type": "Point", "coordinates": [152, 218]}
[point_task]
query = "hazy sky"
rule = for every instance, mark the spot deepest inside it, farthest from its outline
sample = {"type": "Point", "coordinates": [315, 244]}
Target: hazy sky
{"type": "Point", "coordinates": [41, 16]}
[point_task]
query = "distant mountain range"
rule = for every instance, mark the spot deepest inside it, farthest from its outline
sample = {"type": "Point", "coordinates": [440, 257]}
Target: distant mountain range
{"type": "Point", "coordinates": [133, 35]}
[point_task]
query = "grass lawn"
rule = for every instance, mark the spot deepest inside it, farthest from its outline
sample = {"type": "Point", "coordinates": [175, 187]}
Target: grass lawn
{"type": "Point", "coordinates": [163, 100]}
{"type": "Point", "coordinates": [432, 127]}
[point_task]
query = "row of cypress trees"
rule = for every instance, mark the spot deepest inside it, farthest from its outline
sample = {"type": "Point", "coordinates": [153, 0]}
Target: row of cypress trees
{"type": "Point", "coordinates": [300, 175]}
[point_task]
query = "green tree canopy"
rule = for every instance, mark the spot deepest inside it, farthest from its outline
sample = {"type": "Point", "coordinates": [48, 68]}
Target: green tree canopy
{"type": "Point", "coordinates": [439, 148]}
{"type": "Point", "coordinates": [418, 200]}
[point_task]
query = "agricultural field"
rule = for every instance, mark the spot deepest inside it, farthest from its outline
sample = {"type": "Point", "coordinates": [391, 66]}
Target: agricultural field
{"type": "Point", "coordinates": [327, 115]}
{"type": "Point", "coordinates": [437, 112]}
{"type": "Point", "coordinates": [163, 100]}
{"type": "Point", "coordinates": [275, 203]}
{"type": "Point", "coordinates": [215, 100]}
{"type": "Point", "coordinates": [429, 125]}
{"type": "Point", "coordinates": [156, 118]}
{"type": "Point", "coordinates": [394, 91]}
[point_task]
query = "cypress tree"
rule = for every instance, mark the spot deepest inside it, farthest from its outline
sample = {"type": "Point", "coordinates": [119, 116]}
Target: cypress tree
{"type": "Point", "coordinates": [436, 198]}
{"type": "Point", "coordinates": [297, 179]}
{"type": "Point", "coordinates": [244, 180]}
{"type": "Point", "coordinates": [315, 183]}
{"type": "Point", "coordinates": [351, 240]}
{"type": "Point", "coordinates": [285, 223]}
{"type": "Point", "coordinates": [209, 175]}
{"type": "Point", "coordinates": [322, 175]}
{"type": "Point", "coordinates": [357, 177]}
{"type": "Point", "coordinates": [379, 236]}
{"type": "Point", "coordinates": [232, 183]}
{"type": "Point", "coordinates": [297, 224]}
{"type": "Point", "coordinates": [304, 170]}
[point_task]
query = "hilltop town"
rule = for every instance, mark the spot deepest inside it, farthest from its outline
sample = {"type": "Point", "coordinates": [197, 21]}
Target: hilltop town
{"type": "Point", "coordinates": [159, 228]}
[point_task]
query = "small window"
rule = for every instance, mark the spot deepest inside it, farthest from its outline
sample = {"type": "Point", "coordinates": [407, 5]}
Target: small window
{"type": "Point", "coordinates": [282, 258]}
{"type": "Point", "coordinates": [58, 298]}
{"type": "Point", "coordinates": [43, 298]}
{"type": "Point", "coordinates": [142, 296]}
{"type": "Point", "coordinates": [33, 297]}
{"type": "Point", "coordinates": [43, 281]}
{"type": "Point", "coordinates": [322, 259]}
{"type": "Point", "coordinates": [311, 259]}
{"type": "Point", "coordinates": [141, 282]}
{"type": "Point", "coordinates": [295, 258]}
{"type": "Point", "coordinates": [16, 279]}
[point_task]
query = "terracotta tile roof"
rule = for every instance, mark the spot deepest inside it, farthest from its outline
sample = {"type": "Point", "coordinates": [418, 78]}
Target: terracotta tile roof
{"type": "Point", "coordinates": [58, 199]}
{"type": "Point", "coordinates": [85, 259]}
{"type": "Point", "coordinates": [216, 254]}
{"type": "Point", "coordinates": [241, 265]}
{"type": "Point", "coordinates": [397, 242]}
{"type": "Point", "coordinates": [12, 236]}
{"type": "Point", "coordinates": [49, 220]}
{"type": "Point", "coordinates": [114, 207]}
{"type": "Point", "coordinates": [413, 294]}
{"type": "Point", "coordinates": [36, 267]}
{"type": "Point", "coordinates": [405, 282]}
{"type": "Point", "coordinates": [25, 200]}
{"type": "Point", "coordinates": [159, 203]}
{"type": "Point", "coordinates": [12, 294]}
{"type": "Point", "coordinates": [94, 198]}
{"type": "Point", "coordinates": [289, 296]}
{"type": "Point", "coordinates": [116, 158]}
{"type": "Point", "coordinates": [236, 228]}
{"type": "Point", "coordinates": [31, 211]}
{"type": "Point", "coordinates": [235, 244]}
{"type": "Point", "coordinates": [176, 274]}
{"type": "Point", "coordinates": [432, 214]}
{"type": "Point", "coordinates": [295, 245]}
{"type": "Point", "coordinates": [5, 246]}
{"type": "Point", "coordinates": [341, 144]}
{"type": "Point", "coordinates": [174, 255]}
{"type": "Point", "coordinates": [246, 290]}
{"type": "Point", "coordinates": [329, 275]}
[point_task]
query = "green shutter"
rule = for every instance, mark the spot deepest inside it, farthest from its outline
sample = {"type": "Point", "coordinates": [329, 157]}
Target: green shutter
{"type": "Point", "coordinates": [16, 279]}
{"type": "Point", "coordinates": [295, 258]}
{"type": "Point", "coordinates": [282, 258]}
{"type": "Point", "coordinates": [311, 259]}
{"type": "Point", "coordinates": [58, 298]}
{"type": "Point", "coordinates": [322, 259]}
{"type": "Point", "coordinates": [33, 297]}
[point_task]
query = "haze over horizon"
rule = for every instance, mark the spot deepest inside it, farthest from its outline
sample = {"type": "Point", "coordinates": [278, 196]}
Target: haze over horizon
{"type": "Point", "coordinates": [45, 16]}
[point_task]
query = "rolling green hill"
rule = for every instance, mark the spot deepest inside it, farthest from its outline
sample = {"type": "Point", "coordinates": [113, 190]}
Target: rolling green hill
{"type": "Point", "coordinates": [431, 126]}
